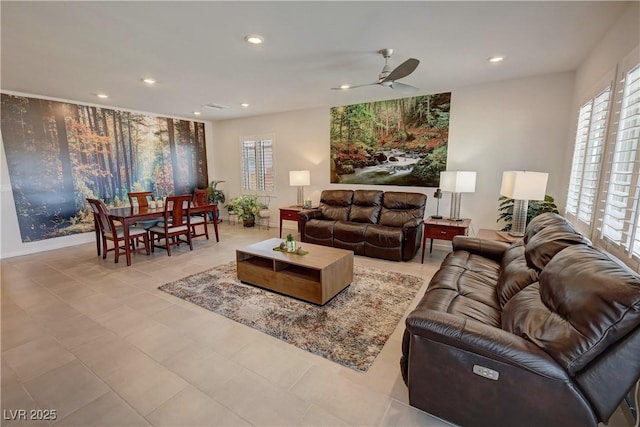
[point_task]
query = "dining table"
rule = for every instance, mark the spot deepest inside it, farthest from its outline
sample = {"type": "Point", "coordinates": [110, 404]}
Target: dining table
{"type": "Point", "coordinates": [129, 215]}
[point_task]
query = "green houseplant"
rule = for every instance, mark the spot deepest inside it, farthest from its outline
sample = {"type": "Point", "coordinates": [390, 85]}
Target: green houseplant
{"type": "Point", "coordinates": [247, 207]}
{"type": "Point", "coordinates": [215, 195]}
{"type": "Point", "coordinates": [535, 208]}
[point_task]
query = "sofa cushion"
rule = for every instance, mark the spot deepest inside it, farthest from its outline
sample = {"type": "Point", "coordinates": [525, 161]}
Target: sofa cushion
{"type": "Point", "coordinates": [515, 274]}
{"type": "Point", "coordinates": [349, 232]}
{"type": "Point", "coordinates": [465, 286]}
{"type": "Point", "coordinates": [366, 206]}
{"type": "Point", "coordinates": [583, 304]}
{"type": "Point", "coordinates": [400, 207]}
{"type": "Point", "coordinates": [385, 237]}
{"type": "Point", "coordinates": [320, 229]}
{"type": "Point", "coordinates": [335, 204]}
{"type": "Point", "coordinates": [546, 243]}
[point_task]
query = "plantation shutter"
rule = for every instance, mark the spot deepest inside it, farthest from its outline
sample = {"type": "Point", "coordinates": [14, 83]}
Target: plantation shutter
{"type": "Point", "coordinates": [257, 164]}
{"type": "Point", "coordinates": [620, 225]}
{"type": "Point", "coordinates": [577, 166]}
{"type": "Point", "coordinates": [593, 156]}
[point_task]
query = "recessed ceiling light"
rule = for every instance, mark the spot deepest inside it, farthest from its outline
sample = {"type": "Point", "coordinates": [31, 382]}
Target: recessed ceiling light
{"type": "Point", "coordinates": [149, 80]}
{"type": "Point", "coordinates": [345, 86]}
{"type": "Point", "coordinates": [102, 95]}
{"type": "Point", "coordinates": [196, 113]}
{"type": "Point", "coordinates": [244, 105]}
{"type": "Point", "coordinates": [495, 59]}
{"type": "Point", "coordinates": [254, 39]}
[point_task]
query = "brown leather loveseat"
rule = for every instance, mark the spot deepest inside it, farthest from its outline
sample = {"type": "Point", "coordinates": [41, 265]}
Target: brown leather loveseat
{"type": "Point", "coordinates": [540, 333]}
{"type": "Point", "coordinates": [373, 223]}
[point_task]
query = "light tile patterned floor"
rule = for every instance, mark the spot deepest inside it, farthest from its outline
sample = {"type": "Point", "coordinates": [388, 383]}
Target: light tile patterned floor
{"type": "Point", "coordinates": [98, 342]}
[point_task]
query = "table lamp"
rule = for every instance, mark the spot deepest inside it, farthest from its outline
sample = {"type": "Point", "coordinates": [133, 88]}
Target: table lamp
{"type": "Point", "coordinates": [457, 182]}
{"type": "Point", "coordinates": [299, 179]}
{"type": "Point", "coordinates": [522, 186]}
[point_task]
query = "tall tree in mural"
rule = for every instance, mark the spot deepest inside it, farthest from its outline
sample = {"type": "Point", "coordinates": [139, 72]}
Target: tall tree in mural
{"type": "Point", "coordinates": [395, 142]}
{"type": "Point", "coordinates": [59, 154]}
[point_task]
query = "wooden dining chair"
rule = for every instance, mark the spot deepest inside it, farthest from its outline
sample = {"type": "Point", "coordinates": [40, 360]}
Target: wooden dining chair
{"type": "Point", "coordinates": [142, 199]}
{"type": "Point", "coordinates": [176, 222]}
{"type": "Point", "coordinates": [200, 197]}
{"type": "Point", "coordinates": [110, 231]}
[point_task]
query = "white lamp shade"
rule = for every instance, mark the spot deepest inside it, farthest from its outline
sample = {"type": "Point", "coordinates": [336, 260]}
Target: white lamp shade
{"type": "Point", "coordinates": [458, 181]}
{"type": "Point", "coordinates": [298, 178]}
{"type": "Point", "coordinates": [524, 185]}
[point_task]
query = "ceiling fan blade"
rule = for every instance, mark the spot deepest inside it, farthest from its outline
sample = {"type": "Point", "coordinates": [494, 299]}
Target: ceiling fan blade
{"type": "Point", "coordinates": [353, 87]}
{"type": "Point", "coordinates": [402, 70]}
{"type": "Point", "coordinates": [403, 88]}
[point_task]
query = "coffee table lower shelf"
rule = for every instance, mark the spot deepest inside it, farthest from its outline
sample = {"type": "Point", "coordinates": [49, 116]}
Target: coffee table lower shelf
{"type": "Point", "coordinates": [316, 277]}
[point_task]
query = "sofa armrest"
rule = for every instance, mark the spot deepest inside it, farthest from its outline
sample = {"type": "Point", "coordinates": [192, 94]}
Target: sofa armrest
{"type": "Point", "coordinates": [309, 214]}
{"type": "Point", "coordinates": [487, 248]}
{"type": "Point", "coordinates": [412, 223]}
{"type": "Point", "coordinates": [488, 341]}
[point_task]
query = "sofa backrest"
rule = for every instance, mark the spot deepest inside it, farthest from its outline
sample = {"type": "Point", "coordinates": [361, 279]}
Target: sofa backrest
{"type": "Point", "coordinates": [515, 274]}
{"type": "Point", "coordinates": [336, 204]}
{"type": "Point", "coordinates": [366, 206]}
{"type": "Point", "coordinates": [542, 221]}
{"type": "Point", "coordinates": [400, 207]}
{"type": "Point", "coordinates": [584, 303]}
{"type": "Point", "coordinates": [551, 236]}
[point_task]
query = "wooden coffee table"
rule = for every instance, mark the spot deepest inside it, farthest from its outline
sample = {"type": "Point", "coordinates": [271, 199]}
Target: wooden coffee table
{"type": "Point", "coordinates": [316, 277]}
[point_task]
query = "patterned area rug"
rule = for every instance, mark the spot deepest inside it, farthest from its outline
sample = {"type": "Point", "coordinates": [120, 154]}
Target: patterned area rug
{"type": "Point", "coordinates": [351, 329]}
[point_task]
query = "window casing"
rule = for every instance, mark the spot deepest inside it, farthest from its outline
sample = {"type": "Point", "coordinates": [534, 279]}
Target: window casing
{"type": "Point", "coordinates": [257, 164]}
{"type": "Point", "coordinates": [603, 197]}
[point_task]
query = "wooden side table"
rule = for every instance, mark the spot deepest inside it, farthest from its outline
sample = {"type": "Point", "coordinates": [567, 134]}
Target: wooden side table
{"type": "Point", "coordinates": [500, 236]}
{"type": "Point", "coordinates": [443, 229]}
{"type": "Point", "coordinates": [290, 213]}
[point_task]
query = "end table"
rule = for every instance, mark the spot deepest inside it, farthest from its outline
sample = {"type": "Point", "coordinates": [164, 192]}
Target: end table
{"type": "Point", "coordinates": [290, 213]}
{"type": "Point", "coordinates": [443, 229]}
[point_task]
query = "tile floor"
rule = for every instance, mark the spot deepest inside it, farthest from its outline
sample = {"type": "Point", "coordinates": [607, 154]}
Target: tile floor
{"type": "Point", "coordinates": [100, 344]}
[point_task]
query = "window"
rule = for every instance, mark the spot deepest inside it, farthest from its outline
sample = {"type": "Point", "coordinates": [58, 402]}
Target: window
{"type": "Point", "coordinates": [257, 164]}
{"type": "Point", "coordinates": [587, 157]}
{"type": "Point", "coordinates": [603, 198]}
{"type": "Point", "coordinates": [620, 224]}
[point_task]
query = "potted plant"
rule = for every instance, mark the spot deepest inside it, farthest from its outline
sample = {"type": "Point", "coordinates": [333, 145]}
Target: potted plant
{"type": "Point", "coordinates": [534, 208]}
{"type": "Point", "coordinates": [247, 207]}
{"type": "Point", "coordinates": [216, 196]}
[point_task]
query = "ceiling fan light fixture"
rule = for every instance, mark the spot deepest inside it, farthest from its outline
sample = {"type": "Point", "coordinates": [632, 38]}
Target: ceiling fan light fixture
{"type": "Point", "coordinates": [345, 86]}
{"type": "Point", "coordinates": [254, 39]}
{"type": "Point", "coordinates": [102, 95]}
{"type": "Point", "coordinates": [496, 59]}
{"type": "Point", "coordinates": [244, 105]}
{"type": "Point", "coordinates": [149, 81]}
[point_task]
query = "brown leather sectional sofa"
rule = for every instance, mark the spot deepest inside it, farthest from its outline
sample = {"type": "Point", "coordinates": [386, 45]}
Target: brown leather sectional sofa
{"type": "Point", "coordinates": [540, 333]}
{"type": "Point", "coordinates": [373, 223]}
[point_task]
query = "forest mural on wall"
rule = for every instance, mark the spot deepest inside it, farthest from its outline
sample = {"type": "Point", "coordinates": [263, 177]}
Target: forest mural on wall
{"type": "Point", "coordinates": [395, 142]}
{"type": "Point", "coordinates": [59, 154]}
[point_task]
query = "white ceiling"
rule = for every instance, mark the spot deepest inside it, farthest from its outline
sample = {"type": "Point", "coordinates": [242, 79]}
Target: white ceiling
{"type": "Point", "coordinates": [195, 50]}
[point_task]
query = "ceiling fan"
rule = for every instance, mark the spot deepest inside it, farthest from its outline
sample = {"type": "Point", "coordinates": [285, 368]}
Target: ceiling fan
{"type": "Point", "coordinates": [389, 77]}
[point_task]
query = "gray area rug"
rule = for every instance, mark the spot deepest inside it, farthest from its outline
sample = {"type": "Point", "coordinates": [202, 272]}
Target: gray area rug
{"type": "Point", "coordinates": [351, 329]}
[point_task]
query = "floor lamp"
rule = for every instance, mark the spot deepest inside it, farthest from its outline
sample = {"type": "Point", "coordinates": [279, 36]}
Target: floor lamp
{"type": "Point", "coordinates": [300, 179]}
{"type": "Point", "coordinates": [522, 186]}
{"type": "Point", "coordinates": [457, 182]}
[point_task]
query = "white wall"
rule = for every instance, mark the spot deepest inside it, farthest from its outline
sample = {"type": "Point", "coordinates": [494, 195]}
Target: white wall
{"type": "Point", "coordinates": [518, 124]}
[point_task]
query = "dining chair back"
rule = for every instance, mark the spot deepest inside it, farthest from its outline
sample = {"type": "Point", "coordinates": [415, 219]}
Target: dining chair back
{"type": "Point", "coordinates": [176, 222]}
{"type": "Point", "coordinates": [200, 197]}
{"type": "Point", "coordinates": [109, 231]}
{"type": "Point", "coordinates": [141, 197]}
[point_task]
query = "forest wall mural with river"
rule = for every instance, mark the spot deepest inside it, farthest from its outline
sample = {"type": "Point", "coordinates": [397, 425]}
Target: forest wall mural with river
{"type": "Point", "coordinates": [395, 142]}
{"type": "Point", "coordinates": [59, 154]}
